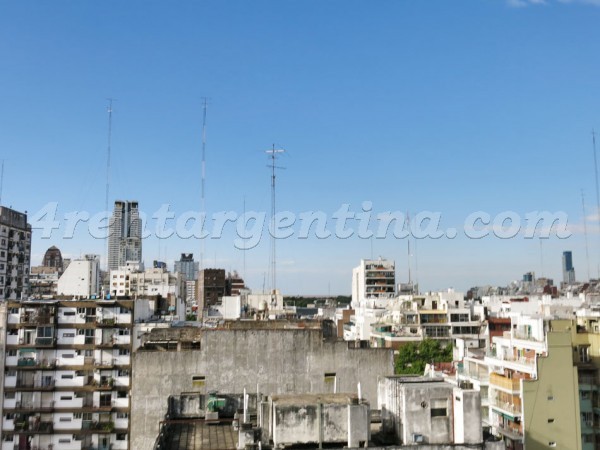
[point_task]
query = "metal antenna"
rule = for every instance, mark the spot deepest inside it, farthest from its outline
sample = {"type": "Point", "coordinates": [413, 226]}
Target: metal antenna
{"type": "Point", "coordinates": [1, 181]}
{"type": "Point", "coordinates": [273, 156]}
{"type": "Point", "coordinates": [587, 250]}
{"type": "Point", "coordinates": [597, 188]}
{"type": "Point", "coordinates": [408, 248]}
{"type": "Point", "coordinates": [203, 176]}
{"type": "Point", "coordinates": [542, 257]}
{"type": "Point", "coordinates": [244, 251]}
{"type": "Point", "coordinates": [108, 149]}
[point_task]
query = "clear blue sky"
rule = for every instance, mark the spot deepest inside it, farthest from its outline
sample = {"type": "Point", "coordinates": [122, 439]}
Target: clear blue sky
{"type": "Point", "coordinates": [414, 105]}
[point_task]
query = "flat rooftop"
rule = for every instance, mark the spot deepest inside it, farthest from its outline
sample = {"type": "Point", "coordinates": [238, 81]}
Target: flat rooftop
{"type": "Point", "coordinates": [199, 435]}
{"type": "Point", "coordinates": [312, 399]}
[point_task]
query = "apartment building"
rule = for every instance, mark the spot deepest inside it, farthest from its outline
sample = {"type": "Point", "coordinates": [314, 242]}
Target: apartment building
{"type": "Point", "coordinates": [67, 375]}
{"type": "Point", "coordinates": [15, 254]}
{"type": "Point", "coordinates": [373, 279]}
{"type": "Point", "coordinates": [443, 316]}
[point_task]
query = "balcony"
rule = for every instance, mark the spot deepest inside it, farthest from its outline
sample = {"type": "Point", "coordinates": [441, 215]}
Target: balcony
{"type": "Point", "coordinates": [511, 385]}
{"type": "Point", "coordinates": [35, 385]}
{"type": "Point", "coordinates": [34, 428]}
{"type": "Point", "coordinates": [45, 342]}
{"type": "Point", "coordinates": [516, 363]}
{"type": "Point", "coordinates": [28, 362]}
{"type": "Point", "coordinates": [511, 432]}
{"type": "Point", "coordinates": [510, 408]}
{"type": "Point", "coordinates": [107, 322]}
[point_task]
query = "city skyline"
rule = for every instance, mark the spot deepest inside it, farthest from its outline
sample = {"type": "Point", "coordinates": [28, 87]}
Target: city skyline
{"type": "Point", "coordinates": [410, 107]}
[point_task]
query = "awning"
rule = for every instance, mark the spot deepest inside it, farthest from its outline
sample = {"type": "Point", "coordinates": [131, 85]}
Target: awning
{"type": "Point", "coordinates": [27, 350]}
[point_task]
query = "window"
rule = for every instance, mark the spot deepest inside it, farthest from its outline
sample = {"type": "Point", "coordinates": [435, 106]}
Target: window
{"type": "Point", "coordinates": [64, 419]}
{"type": "Point", "coordinates": [123, 373]}
{"type": "Point", "coordinates": [121, 437]}
{"type": "Point", "coordinates": [198, 381]}
{"type": "Point", "coordinates": [45, 332]}
{"type": "Point", "coordinates": [11, 353]}
{"type": "Point", "coordinates": [123, 310]}
{"type": "Point", "coordinates": [585, 395]}
{"type": "Point", "coordinates": [80, 310]}
{"type": "Point", "coordinates": [68, 355]}
{"type": "Point", "coordinates": [9, 416]}
{"type": "Point", "coordinates": [13, 332]}
{"type": "Point", "coordinates": [66, 397]}
{"type": "Point", "coordinates": [9, 395]}
{"type": "Point", "coordinates": [122, 394]}
{"type": "Point", "coordinates": [123, 351]}
{"type": "Point", "coordinates": [68, 313]}
{"type": "Point", "coordinates": [67, 376]}
{"type": "Point", "coordinates": [13, 311]}
{"type": "Point", "coordinates": [11, 373]}
{"type": "Point", "coordinates": [68, 335]}
{"type": "Point", "coordinates": [123, 332]}
{"type": "Point", "coordinates": [81, 332]}
{"type": "Point", "coordinates": [64, 441]}
{"type": "Point", "coordinates": [439, 407]}
{"type": "Point", "coordinates": [122, 415]}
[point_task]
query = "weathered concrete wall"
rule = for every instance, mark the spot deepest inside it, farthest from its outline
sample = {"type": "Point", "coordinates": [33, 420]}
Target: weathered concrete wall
{"type": "Point", "coordinates": [406, 409]}
{"type": "Point", "coordinates": [277, 360]}
{"type": "Point", "coordinates": [467, 417]}
{"type": "Point", "coordinates": [311, 424]}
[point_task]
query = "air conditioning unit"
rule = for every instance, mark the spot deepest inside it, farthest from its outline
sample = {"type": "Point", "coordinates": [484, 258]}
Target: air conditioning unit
{"type": "Point", "coordinates": [418, 438]}
{"type": "Point", "coordinates": [82, 315]}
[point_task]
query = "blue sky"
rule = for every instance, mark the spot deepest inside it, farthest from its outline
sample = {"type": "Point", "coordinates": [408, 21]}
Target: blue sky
{"type": "Point", "coordinates": [432, 105]}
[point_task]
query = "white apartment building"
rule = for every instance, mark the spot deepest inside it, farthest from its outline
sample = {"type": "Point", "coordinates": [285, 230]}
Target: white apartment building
{"type": "Point", "coordinates": [81, 278]}
{"type": "Point", "coordinates": [373, 279]}
{"type": "Point", "coordinates": [68, 374]}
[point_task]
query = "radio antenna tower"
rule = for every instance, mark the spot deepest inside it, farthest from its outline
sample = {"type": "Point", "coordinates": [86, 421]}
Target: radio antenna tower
{"type": "Point", "coordinates": [1, 181]}
{"type": "Point", "coordinates": [597, 188]}
{"type": "Point", "coordinates": [203, 177]}
{"type": "Point", "coordinates": [108, 149]}
{"type": "Point", "coordinates": [587, 250]}
{"type": "Point", "coordinates": [273, 153]}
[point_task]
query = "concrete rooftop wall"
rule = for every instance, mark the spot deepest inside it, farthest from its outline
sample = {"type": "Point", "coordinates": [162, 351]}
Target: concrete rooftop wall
{"type": "Point", "coordinates": [278, 361]}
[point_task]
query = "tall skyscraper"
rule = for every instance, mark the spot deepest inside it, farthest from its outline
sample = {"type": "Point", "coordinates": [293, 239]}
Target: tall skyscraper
{"type": "Point", "coordinates": [125, 239]}
{"type": "Point", "coordinates": [187, 267]}
{"type": "Point", "coordinates": [568, 269]}
{"type": "Point", "coordinates": [15, 253]}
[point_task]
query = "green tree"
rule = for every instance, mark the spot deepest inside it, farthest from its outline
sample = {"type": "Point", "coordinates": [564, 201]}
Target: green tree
{"type": "Point", "coordinates": [412, 357]}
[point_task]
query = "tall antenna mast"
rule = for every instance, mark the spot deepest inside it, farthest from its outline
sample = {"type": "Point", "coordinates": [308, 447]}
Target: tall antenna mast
{"type": "Point", "coordinates": [408, 248]}
{"type": "Point", "coordinates": [273, 156]}
{"type": "Point", "coordinates": [587, 250]}
{"type": "Point", "coordinates": [108, 149]}
{"type": "Point", "coordinates": [244, 250]}
{"type": "Point", "coordinates": [1, 181]}
{"type": "Point", "coordinates": [203, 176]}
{"type": "Point", "coordinates": [597, 188]}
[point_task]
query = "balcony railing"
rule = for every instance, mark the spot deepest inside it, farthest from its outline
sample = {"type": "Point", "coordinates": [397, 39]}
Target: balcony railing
{"type": "Point", "coordinates": [504, 382]}
{"type": "Point", "coordinates": [530, 362]}
{"type": "Point", "coordinates": [45, 341]}
{"type": "Point", "coordinates": [506, 406]}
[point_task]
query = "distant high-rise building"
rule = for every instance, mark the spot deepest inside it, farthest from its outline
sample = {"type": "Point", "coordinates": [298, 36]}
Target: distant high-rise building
{"type": "Point", "coordinates": [53, 258]}
{"type": "Point", "coordinates": [234, 283]}
{"type": "Point", "coordinates": [568, 269]}
{"type": "Point", "coordinates": [373, 279]}
{"type": "Point", "coordinates": [211, 287]}
{"type": "Point", "coordinates": [125, 239]}
{"type": "Point", "coordinates": [187, 267]}
{"type": "Point", "coordinates": [81, 278]}
{"type": "Point", "coordinates": [15, 254]}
